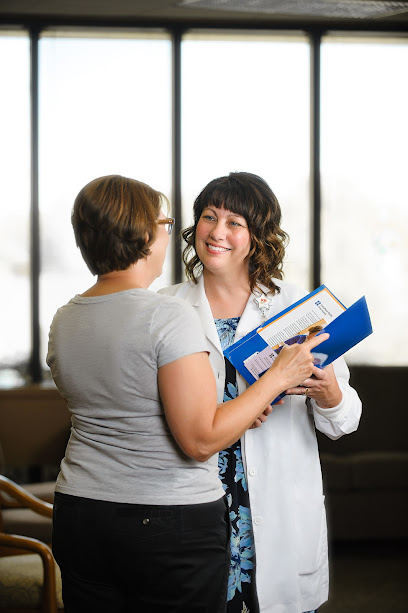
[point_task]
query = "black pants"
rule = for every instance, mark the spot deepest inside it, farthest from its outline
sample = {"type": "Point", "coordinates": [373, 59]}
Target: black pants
{"type": "Point", "coordinates": [125, 557]}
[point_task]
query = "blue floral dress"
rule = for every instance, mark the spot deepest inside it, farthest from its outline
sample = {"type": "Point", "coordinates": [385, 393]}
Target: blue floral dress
{"type": "Point", "coordinates": [242, 596]}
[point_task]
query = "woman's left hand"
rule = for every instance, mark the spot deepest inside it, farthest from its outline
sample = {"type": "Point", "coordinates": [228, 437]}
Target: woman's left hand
{"type": "Point", "coordinates": [264, 416]}
{"type": "Point", "coordinates": [322, 386]}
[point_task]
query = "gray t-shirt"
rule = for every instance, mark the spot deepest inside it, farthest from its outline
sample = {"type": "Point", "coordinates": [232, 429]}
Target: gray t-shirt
{"type": "Point", "coordinates": [104, 353]}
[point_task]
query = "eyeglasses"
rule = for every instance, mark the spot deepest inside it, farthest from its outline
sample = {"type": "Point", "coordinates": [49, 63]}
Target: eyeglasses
{"type": "Point", "coordinates": [168, 222]}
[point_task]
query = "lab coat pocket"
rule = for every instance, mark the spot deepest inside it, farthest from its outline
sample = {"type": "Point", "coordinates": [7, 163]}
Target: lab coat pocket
{"type": "Point", "coordinates": [311, 536]}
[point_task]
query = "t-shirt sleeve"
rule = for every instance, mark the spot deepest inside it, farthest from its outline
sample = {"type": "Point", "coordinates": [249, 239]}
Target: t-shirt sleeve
{"type": "Point", "coordinates": [176, 331]}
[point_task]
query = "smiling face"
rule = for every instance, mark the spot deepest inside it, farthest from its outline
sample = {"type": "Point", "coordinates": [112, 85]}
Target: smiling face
{"type": "Point", "coordinates": [222, 241]}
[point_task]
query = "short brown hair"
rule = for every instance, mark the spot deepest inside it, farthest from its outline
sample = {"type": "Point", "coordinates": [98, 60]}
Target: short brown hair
{"type": "Point", "coordinates": [114, 220]}
{"type": "Point", "coordinates": [250, 196]}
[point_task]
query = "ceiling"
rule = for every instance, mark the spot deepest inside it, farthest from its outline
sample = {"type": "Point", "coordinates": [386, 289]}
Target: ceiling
{"type": "Point", "coordinates": [366, 14]}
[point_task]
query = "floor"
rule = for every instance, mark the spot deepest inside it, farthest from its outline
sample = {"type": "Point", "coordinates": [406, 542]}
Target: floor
{"type": "Point", "coordinates": [368, 577]}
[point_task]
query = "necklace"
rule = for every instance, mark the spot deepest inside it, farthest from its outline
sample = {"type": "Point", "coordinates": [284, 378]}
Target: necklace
{"type": "Point", "coordinates": [263, 303]}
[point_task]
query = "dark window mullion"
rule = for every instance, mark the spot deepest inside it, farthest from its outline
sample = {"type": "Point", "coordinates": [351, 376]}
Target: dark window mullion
{"type": "Point", "coordinates": [176, 114]}
{"type": "Point", "coordinates": [35, 362]}
{"type": "Point", "coordinates": [315, 234]}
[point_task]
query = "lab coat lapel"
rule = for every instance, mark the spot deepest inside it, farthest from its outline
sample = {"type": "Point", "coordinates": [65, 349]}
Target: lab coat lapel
{"type": "Point", "coordinates": [200, 302]}
{"type": "Point", "coordinates": [250, 318]}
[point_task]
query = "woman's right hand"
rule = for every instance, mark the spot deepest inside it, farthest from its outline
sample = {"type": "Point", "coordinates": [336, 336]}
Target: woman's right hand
{"type": "Point", "coordinates": [295, 362]}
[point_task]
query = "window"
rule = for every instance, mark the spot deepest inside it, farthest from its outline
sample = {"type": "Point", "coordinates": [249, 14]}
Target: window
{"type": "Point", "coordinates": [246, 107]}
{"type": "Point", "coordinates": [105, 108]}
{"type": "Point", "coordinates": [15, 331]}
{"type": "Point", "coordinates": [364, 156]}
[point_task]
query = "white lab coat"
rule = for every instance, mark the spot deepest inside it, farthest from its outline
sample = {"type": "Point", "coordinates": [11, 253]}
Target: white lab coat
{"type": "Point", "coordinates": [283, 471]}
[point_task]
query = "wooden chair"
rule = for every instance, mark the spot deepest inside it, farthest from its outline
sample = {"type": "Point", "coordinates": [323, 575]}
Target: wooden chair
{"type": "Point", "coordinates": [29, 576]}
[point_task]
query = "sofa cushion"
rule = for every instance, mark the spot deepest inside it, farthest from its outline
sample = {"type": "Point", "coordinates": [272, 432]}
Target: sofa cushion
{"type": "Point", "coordinates": [21, 580]}
{"type": "Point", "coordinates": [366, 470]}
{"type": "Point", "coordinates": [27, 523]}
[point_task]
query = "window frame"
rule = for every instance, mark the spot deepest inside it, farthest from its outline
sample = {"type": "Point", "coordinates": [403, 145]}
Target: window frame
{"type": "Point", "coordinates": [34, 29]}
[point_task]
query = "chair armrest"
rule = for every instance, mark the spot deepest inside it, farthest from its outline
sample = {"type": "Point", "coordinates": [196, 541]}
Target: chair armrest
{"type": "Point", "coordinates": [32, 545]}
{"type": "Point", "coordinates": [22, 497]}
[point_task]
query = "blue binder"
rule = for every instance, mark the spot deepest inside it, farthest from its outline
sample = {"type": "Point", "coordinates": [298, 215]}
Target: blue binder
{"type": "Point", "coordinates": [347, 330]}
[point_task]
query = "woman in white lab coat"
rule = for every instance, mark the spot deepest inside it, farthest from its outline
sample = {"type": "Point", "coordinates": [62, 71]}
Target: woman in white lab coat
{"type": "Point", "coordinates": [233, 257]}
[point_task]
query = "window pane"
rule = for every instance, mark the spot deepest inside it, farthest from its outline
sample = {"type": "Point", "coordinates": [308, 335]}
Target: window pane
{"type": "Point", "coordinates": [105, 108]}
{"type": "Point", "coordinates": [15, 318]}
{"type": "Point", "coordinates": [364, 197]}
{"type": "Point", "coordinates": [245, 107]}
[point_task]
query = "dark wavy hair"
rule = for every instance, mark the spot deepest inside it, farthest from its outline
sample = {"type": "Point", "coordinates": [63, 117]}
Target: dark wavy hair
{"type": "Point", "coordinates": [114, 220]}
{"type": "Point", "coordinates": [250, 196]}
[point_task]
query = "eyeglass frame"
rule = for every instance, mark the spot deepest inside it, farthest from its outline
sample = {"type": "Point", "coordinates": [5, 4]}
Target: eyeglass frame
{"type": "Point", "coordinates": [169, 221]}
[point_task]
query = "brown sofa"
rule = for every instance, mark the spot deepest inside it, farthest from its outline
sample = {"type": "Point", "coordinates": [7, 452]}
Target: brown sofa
{"type": "Point", "coordinates": [365, 474]}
